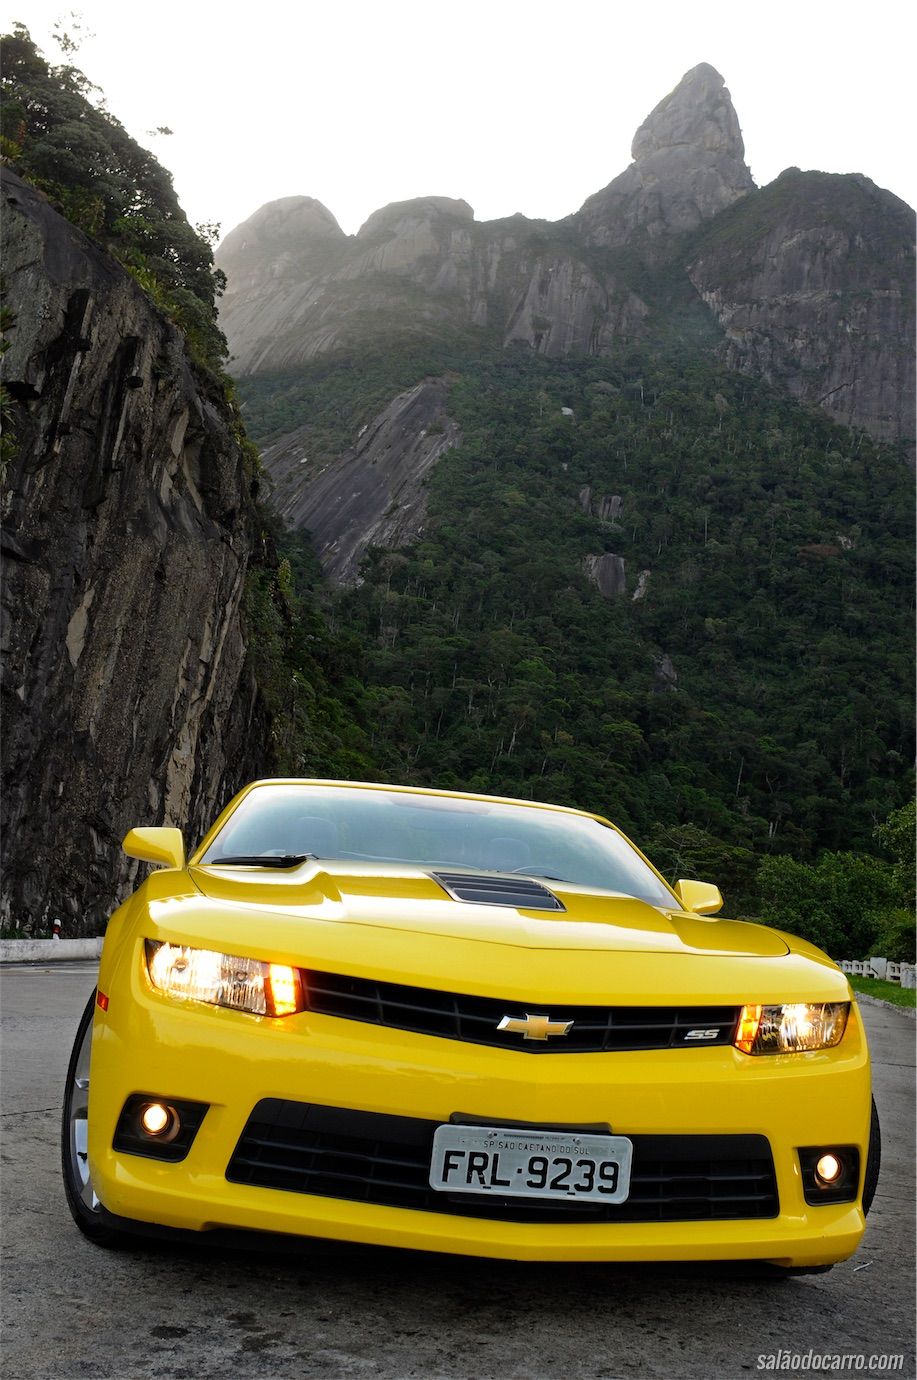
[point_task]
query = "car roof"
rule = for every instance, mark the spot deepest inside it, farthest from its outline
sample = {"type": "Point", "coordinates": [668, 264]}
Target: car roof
{"type": "Point", "coordinates": [421, 791]}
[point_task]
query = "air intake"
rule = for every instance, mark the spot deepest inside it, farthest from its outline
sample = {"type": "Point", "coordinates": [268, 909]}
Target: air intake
{"type": "Point", "coordinates": [523, 894]}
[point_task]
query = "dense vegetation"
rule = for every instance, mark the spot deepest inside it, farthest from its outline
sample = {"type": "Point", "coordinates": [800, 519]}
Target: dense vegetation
{"type": "Point", "coordinates": [74, 150]}
{"type": "Point", "coordinates": [748, 715]}
{"type": "Point", "coordinates": [312, 679]}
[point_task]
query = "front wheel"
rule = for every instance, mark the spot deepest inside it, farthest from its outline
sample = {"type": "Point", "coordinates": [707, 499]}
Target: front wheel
{"type": "Point", "coordinates": [85, 1207]}
{"type": "Point", "coordinates": [873, 1159]}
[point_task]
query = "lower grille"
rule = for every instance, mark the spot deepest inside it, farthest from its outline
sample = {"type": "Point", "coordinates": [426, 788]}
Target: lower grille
{"type": "Point", "coordinates": [367, 1157]}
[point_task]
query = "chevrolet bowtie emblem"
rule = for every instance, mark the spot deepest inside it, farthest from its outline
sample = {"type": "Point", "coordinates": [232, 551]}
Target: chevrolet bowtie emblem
{"type": "Point", "coordinates": [534, 1027]}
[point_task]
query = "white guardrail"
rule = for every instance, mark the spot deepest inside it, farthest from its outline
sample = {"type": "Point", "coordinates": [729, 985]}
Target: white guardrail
{"type": "Point", "coordinates": [48, 950]}
{"type": "Point", "coordinates": [881, 968]}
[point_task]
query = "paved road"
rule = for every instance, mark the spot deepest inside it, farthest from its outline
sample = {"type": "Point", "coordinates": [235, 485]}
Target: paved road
{"type": "Point", "coordinates": [72, 1311]}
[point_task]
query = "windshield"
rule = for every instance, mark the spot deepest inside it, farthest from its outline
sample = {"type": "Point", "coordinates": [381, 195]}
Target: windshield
{"type": "Point", "coordinates": [292, 822]}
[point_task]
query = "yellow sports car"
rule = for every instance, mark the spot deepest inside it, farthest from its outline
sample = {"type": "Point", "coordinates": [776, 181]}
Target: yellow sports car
{"type": "Point", "coordinates": [461, 1023]}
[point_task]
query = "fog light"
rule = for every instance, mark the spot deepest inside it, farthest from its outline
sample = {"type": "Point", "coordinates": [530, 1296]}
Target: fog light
{"type": "Point", "coordinates": [829, 1169]}
{"type": "Point", "coordinates": [157, 1129]}
{"type": "Point", "coordinates": [830, 1174]}
{"type": "Point", "coordinates": [155, 1119]}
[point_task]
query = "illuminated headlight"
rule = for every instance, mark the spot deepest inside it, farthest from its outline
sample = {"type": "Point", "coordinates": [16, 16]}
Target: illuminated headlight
{"type": "Point", "coordinates": [243, 984]}
{"type": "Point", "coordinates": [792, 1029]}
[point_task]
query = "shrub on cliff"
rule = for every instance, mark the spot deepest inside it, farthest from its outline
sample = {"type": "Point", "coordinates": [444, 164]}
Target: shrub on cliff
{"type": "Point", "coordinates": [83, 159]}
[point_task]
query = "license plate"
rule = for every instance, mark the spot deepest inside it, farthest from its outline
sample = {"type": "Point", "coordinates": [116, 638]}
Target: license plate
{"type": "Point", "coordinates": [506, 1163]}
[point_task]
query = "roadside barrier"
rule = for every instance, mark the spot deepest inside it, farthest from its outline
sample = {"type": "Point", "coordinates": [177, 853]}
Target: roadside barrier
{"type": "Point", "coordinates": [48, 950]}
{"type": "Point", "coordinates": [885, 968]}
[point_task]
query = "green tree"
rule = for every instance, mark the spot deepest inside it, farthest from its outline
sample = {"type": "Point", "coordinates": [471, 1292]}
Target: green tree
{"type": "Point", "coordinates": [58, 138]}
{"type": "Point", "coordinates": [684, 850]}
{"type": "Point", "coordinates": [897, 938]}
{"type": "Point", "coordinates": [838, 903]}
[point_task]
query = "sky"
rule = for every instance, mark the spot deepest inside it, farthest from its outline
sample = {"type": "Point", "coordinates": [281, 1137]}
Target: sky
{"type": "Point", "coordinates": [513, 105]}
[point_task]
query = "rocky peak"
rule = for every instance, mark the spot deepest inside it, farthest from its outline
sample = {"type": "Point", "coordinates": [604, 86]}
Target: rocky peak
{"type": "Point", "coordinates": [809, 280]}
{"type": "Point", "coordinates": [689, 164]}
{"type": "Point", "coordinates": [281, 240]}
{"type": "Point", "coordinates": [289, 221]}
{"type": "Point", "coordinates": [401, 216]}
{"type": "Point", "coordinates": [698, 115]}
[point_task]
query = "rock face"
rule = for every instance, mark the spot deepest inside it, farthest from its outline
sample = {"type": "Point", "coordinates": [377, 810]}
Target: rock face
{"type": "Point", "coordinates": [127, 533]}
{"type": "Point", "coordinates": [812, 280]}
{"type": "Point", "coordinates": [371, 495]}
{"type": "Point", "coordinates": [689, 164]}
{"type": "Point", "coordinates": [401, 220]}
{"type": "Point", "coordinates": [295, 234]}
{"type": "Point", "coordinates": [416, 267]}
{"type": "Point", "coordinates": [607, 573]}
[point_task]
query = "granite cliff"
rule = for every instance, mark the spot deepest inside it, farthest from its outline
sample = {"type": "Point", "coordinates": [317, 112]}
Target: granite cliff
{"type": "Point", "coordinates": [812, 282]}
{"type": "Point", "coordinates": [128, 528]}
{"type": "Point", "coordinates": [689, 164]}
{"type": "Point", "coordinates": [806, 283]}
{"type": "Point", "coordinates": [374, 493]}
{"type": "Point", "coordinates": [419, 268]}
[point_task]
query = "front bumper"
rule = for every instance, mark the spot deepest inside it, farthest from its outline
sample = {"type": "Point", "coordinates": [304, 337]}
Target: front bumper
{"type": "Point", "coordinates": [151, 1044]}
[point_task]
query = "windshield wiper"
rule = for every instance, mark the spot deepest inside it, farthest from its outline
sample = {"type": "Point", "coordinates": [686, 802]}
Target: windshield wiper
{"type": "Point", "coordinates": [262, 860]}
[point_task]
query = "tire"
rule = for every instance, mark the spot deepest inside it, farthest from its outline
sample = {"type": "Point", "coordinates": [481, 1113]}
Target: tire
{"type": "Point", "coordinates": [873, 1159]}
{"type": "Point", "coordinates": [85, 1208]}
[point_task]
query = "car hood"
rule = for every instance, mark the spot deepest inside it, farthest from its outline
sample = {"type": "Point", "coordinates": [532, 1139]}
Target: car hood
{"type": "Point", "coordinates": [396, 897]}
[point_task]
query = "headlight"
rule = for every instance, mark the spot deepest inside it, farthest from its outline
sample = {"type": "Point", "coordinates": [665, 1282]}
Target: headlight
{"type": "Point", "coordinates": [243, 984]}
{"type": "Point", "coordinates": [791, 1029]}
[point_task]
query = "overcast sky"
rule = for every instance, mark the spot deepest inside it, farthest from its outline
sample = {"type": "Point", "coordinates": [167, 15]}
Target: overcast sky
{"type": "Point", "coordinates": [515, 105]}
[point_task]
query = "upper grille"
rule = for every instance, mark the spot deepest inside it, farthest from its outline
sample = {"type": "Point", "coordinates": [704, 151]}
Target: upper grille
{"type": "Point", "coordinates": [454, 1016]}
{"type": "Point", "coordinates": [524, 894]}
{"type": "Point", "coordinates": [368, 1157]}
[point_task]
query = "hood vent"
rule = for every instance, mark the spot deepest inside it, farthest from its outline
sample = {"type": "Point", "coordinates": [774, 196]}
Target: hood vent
{"type": "Point", "coordinates": [523, 894]}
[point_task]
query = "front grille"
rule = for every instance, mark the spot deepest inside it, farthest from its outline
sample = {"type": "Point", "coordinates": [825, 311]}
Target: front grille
{"type": "Point", "coordinates": [367, 1157]}
{"type": "Point", "coordinates": [454, 1016]}
{"type": "Point", "coordinates": [523, 894]}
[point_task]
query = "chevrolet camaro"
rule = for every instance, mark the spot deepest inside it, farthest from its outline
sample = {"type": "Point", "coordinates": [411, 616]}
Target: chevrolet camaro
{"type": "Point", "coordinates": [459, 1023]}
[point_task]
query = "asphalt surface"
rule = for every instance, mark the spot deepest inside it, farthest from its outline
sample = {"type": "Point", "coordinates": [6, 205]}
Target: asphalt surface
{"type": "Point", "coordinates": [72, 1311]}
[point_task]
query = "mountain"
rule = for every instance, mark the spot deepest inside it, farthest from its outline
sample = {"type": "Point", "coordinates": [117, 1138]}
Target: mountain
{"type": "Point", "coordinates": [557, 518]}
{"type": "Point", "coordinates": [613, 508]}
{"type": "Point", "coordinates": [807, 283]}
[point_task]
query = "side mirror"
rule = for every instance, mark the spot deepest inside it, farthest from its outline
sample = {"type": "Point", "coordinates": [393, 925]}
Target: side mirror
{"type": "Point", "coordinates": [703, 898]}
{"type": "Point", "coordinates": [156, 846]}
